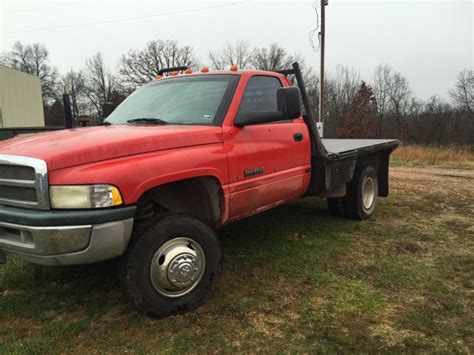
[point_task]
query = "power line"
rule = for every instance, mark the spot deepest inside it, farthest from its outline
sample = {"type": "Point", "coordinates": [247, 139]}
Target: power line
{"type": "Point", "coordinates": [49, 7]}
{"type": "Point", "coordinates": [124, 19]}
{"type": "Point", "coordinates": [315, 31]}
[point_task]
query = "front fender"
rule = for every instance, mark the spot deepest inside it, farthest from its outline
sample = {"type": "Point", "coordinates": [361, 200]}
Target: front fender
{"type": "Point", "coordinates": [135, 174]}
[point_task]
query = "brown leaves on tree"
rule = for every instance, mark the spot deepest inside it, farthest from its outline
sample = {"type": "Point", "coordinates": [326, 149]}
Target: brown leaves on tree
{"type": "Point", "coordinates": [361, 119]}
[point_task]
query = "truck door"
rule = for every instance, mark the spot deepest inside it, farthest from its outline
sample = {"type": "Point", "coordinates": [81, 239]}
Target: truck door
{"type": "Point", "coordinates": [268, 163]}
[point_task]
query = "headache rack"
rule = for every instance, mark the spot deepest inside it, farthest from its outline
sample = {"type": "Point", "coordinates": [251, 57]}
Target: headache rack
{"type": "Point", "coordinates": [317, 148]}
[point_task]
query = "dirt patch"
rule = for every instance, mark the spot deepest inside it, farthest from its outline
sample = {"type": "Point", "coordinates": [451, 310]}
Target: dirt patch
{"type": "Point", "coordinates": [409, 247]}
{"type": "Point", "coordinates": [443, 191]}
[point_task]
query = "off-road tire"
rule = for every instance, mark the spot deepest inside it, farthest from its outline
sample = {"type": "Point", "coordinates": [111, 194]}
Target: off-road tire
{"type": "Point", "coordinates": [136, 262]}
{"type": "Point", "coordinates": [353, 202]}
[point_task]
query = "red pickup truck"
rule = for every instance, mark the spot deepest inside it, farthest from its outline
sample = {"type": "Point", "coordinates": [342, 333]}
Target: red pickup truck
{"type": "Point", "coordinates": [180, 157]}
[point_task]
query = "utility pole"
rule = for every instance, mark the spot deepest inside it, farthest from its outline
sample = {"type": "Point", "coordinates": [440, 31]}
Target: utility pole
{"type": "Point", "coordinates": [322, 35]}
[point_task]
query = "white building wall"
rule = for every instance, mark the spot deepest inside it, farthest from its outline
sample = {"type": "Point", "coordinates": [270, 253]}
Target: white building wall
{"type": "Point", "coordinates": [21, 103]}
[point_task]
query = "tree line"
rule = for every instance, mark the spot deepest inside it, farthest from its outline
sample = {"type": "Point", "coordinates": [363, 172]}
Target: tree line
{"type": "Point", "coordinates": [382, 106]}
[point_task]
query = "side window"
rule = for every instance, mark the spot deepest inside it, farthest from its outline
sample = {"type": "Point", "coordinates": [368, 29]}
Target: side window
{"type": "Point", "coordinates": [260, 94]}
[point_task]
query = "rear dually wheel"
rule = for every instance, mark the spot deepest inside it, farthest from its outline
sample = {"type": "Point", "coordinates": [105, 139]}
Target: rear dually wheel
{"type": "Point", "coordinates": [361, 198]}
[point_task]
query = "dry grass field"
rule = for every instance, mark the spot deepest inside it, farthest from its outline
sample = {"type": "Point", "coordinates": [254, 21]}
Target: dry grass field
{"type": "Point", "coordinates": [295, 280]}
{"type": "Point", "coordinates": [454, 157]}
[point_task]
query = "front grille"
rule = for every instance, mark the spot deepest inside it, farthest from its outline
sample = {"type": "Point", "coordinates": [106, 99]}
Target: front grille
{"type": "Point", "coordinates": [23, 182]}
{"type": "Point", "coordinates": [15, 193]}
{"type": "Point", "coordinates": [13, 172]}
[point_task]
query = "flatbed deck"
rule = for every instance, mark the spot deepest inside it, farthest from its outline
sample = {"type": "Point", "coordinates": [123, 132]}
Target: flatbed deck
{"type": "Point", "coordinates": [348, 147]}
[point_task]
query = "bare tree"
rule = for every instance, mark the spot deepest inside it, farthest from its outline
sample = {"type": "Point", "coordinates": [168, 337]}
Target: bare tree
{"type": "Point", "coordinates": [138, 67]}
{"type": "Point", "coordinates": [380, 85]}
{"type": "Point", "coordinates": [399, 98]}
{"type": "Point", "coordinates": [348, 84]}
{"type": "Point", "coordinates": [273, 58]}
{"type": "Point", "coordinates": [239, 54]}
{"type": "Point", "coordinates": [463, 92]}
{"type": "Point", "coordinates": [393, 96]}
{"type": "Point", "coordinates": [75, 84]}
{"type": "Point", "coordinates": [341, 88]}
{"type": "Point", "coordinates": [311, 81]}
{"type": "Point", "coordinates": [101, 86]}
{"type": "Point", "coordinates": [34, 59]}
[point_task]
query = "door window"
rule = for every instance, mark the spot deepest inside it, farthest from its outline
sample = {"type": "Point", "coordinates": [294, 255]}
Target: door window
{"type": "Point", "coordinates": [260, 94]}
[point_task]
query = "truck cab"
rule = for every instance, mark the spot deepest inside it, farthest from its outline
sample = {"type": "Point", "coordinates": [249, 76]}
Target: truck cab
{"type": "Point", "coordinates": [180, 157]}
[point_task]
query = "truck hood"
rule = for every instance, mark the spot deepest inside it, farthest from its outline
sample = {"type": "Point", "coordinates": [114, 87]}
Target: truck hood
{"type": "Point", "coordinates": [66, 148]}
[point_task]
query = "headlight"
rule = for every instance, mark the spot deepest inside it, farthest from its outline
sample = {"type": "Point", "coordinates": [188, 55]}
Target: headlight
{"type": "Point", "coordinates": [84, 196]}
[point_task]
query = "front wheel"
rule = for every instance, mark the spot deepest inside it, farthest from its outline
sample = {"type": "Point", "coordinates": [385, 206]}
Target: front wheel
{"type": "Point", "coordinates": [173, 266]}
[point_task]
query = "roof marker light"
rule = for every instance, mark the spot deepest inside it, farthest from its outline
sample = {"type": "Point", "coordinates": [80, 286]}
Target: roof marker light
{"type": "Point", "coordinates": [158, 77]}
{"type": "Point", "coordinates": [174, 73]}
{"type": "Point", "coordinates": [188, 71]}
{"type": "Point", "coordinates": [234, 68]}
{"type": "Point", "coordinates": [204, 69]}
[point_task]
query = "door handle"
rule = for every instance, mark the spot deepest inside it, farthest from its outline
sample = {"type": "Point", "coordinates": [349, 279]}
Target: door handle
{"type": "Point", "coordinates": [298, 137]}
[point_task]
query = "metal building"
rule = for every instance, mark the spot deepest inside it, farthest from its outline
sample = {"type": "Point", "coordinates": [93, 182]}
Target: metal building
{"type": "Point", "coordinates": [21, 103]}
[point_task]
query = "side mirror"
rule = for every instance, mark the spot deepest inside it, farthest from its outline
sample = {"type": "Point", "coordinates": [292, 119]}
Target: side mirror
{"type": "Point", "coordinates": [288, 104]}
{"type": "Point", "coordinates": [288, 101]}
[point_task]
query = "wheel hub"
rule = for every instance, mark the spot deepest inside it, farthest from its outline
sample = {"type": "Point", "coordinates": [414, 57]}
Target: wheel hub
{"type": "Point", "coordinates": [368, 192]}
{"type": "Point", "coordinates": [177, 267]}
{"type": "Point", "coordinates": [183, 270]}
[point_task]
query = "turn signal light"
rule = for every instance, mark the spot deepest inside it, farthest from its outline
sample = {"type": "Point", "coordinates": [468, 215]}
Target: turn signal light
{"type": "Point", "coordinates": [204, 69]}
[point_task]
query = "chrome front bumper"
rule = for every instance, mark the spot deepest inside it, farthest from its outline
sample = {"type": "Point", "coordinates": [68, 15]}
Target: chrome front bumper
{"type": "Point", "coordinates": [66, 245]}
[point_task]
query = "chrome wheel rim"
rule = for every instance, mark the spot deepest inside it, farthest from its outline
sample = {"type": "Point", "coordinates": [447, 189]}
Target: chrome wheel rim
{"type": "Point", "coordinates": [368, 192]}
{"type": "Point", "coordinates": [177, 267]}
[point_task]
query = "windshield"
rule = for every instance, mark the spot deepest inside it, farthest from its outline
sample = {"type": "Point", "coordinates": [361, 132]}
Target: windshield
{"type": "Point", "coordinates": [199, 100]}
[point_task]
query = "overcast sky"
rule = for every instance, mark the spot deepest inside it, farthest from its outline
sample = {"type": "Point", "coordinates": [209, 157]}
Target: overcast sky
{"type": "Point", "coordinates": [428, 41]}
